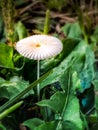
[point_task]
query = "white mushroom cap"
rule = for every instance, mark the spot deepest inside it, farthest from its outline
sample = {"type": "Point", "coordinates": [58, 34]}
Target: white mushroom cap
{"type": "Point", "coordinates": [39, 47]}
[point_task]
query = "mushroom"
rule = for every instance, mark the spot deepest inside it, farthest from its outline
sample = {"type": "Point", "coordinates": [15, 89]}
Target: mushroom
{"type": "Point", "coordinates": [39, 47]}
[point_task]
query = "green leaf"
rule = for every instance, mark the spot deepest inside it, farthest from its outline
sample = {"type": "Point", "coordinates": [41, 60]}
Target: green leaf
{"type": "Point", "coordinates": [87, 74]}
{"type": "Point", "coordinates": [6, 54]}
{"type": "Point", "coordinates": [56, 75]}
{"type": "Point", "coordinates": [12, 87]}
{"type": "Point", "coordinates": [20, 31]}
{"type": "Point", "coordinates": [72, 30]}
{"type": "Point", "coordinates": [72, 112]}
{"type": "Point", "coordinates": [55, 102]}
{"type": "Point", "coordinates": [23, 92]}
{"type": "Point", "coordinates": [95, 83]}
{"type": "Point", "coordinates": [67, 104]}
{"type": "Point", "coordinates": [47, 126]}
{"type": "Point", "coordinates": [68, 125]}
{"type": "Point", "coordinates": [33, 123]}
{"type": "Point", "coordinates": [2, 127]}
{"type": "Point", "coordinates": [94, 37]}
{"type": "Point", "coordinates": [68, 45]}
{"type": "Point", "coordinates": [76, 82]}
{"type": "Point", "coordinates": [75, 56]}
{"type": "Point", "coordinates": [37, 124]}
{"type": "Point", "coordinates": [80, 61]}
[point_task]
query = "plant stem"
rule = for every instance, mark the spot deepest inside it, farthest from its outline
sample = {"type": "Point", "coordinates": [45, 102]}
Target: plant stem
{"type": "Point", "coordinates": [11, 109]}
{"type": "Point", "coordinates": [8, 9]}
{"type": "Point", "coordinates": [38, 75]}
{"type": "Point", "coordinates": [59, 125]}
{"type": "Point", "coordinates": [46, 25]}
{"type": "Point", "coordinates": [85, 121]}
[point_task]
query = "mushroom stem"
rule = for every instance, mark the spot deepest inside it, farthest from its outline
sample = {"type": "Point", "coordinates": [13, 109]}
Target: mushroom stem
{"type": "Point", "coordinates": [38, 75]}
